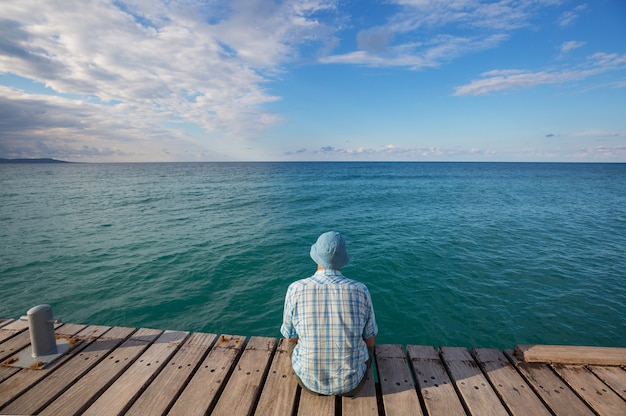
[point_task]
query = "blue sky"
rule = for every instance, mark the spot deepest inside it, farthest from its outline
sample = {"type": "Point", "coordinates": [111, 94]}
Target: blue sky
{"type": "Point", "coordinates": [257, 80]}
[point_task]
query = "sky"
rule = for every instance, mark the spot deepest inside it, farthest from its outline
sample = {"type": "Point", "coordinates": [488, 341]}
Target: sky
{"type": "Point", "coordinates": [313, 80]}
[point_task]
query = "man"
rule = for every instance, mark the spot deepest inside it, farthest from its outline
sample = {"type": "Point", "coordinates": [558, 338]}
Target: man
{"type": "Point", "coordinates": [329, 323]}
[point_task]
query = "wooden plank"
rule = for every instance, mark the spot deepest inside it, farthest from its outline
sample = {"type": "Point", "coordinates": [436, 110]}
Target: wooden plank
{"type": "Point", "coordinates": [479, 397]}
{"type": "Point", "coordinates": [244, 385]}
{"type": "Point", "coordinates": [365, 402]}
{"type": "Point", "coordinates": [396, 384]}
{"type": "Point", "coordinates": [11, 329]}
{"type": "Point", "coordinates": [592, 390]}
{"type": "Point", "coordinates": [434, 384]}
{"type": "Point", "coordinates": [132, 382]}
{"type": "Point", "coordinates": [279, 392]}
{"type": "Point", "coordinates": [49, 388]}
{"type": "Point", "coordinates": [516, 394]}
{"type": "Point", "coordinates": [162, 392]}
{"type": "Point", "coordinates": [80, 395]}
{"type": "Point", "coordinates": [312, 405]}
{"type": "Point", "coordinates": [7, 332]}
{"type": "Point", "coordinates": [614, 377]}
{"type": "Point", "coordinates": [573, 355]}
{"type": "Point", "coordinates": [5, 321]}
{"type": "Point", "coordinates": [550, 387]}
{"type": "Point", "coordinates": [26, 378]}
{"type": "Point", "coordinates": [210, 378]}
{"type": "Point", "coordinates": [5, 374]}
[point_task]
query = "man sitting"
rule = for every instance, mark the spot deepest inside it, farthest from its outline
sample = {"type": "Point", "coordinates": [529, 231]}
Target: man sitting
{"type": "Point", "coordinates": [329, 324]}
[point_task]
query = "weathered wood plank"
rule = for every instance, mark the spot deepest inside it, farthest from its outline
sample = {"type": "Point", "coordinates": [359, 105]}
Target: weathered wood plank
{"type": "Point", "coordinates": [210, 378]}
{"type": "Point", "coordinates": [479, 397]}
{"type": "Point", "coordinates": [22, 381]}
{"type": "Point", "coordinates": [244, 385]}
{"type": "Point", "coordinates": [614, 377]}
{"type": "Point", "coordinates": [49, 388]}
{"type": "Point", "coordinates": [4, 321]}
{"type": "Point", "coordinates": [516, 394]}
{"type": "Point", "coordinates": [160, 394]}
{"type": "Point", "coordinates": [433, 381]}
{"type": "Point", "coordinates": [554, 392]}
{"type": "Point", "coordinates": [312, 405]}
{"type": "Point", "coordinates": [597, 394]}
{"type": "Point", "coordinates": [80, 395]}
{"type": "Point", "coordinates": [194, 377]}
{"type": "Point", "coordinates": [396, 384]}
{"type": "Point", "coordinates": [573, 355]}
{"type": "Point", "coordinates": [11, 329]}
{"type": "Point", "coordinates": [279, 392]}
{"type": "Point", "coordinates": [364, 403]}
{"type": "Point", "coordinates": [132, 382]}
{"type": "Point", "coordinates": [5, 374]}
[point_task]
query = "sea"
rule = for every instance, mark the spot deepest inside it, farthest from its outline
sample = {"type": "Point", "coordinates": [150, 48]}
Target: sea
{"type": "Point", "coordinates": [454, 254]}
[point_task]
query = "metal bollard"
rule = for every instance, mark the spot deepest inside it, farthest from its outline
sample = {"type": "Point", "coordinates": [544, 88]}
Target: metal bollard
{"type": "Point", "coordinates": [41, 325]}
{"type": "Point", "coordinates": [44, 346]}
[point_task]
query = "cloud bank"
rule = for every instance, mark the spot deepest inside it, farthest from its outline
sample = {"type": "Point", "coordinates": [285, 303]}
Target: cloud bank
{"type": "Point", "coordinates": [134, 68]}
{"type": "Point", "coordinates": [137, 80]}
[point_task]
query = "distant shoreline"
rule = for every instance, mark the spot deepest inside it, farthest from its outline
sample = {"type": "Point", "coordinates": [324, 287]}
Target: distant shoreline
{"type": "Point", "coordinates": [41, 160]}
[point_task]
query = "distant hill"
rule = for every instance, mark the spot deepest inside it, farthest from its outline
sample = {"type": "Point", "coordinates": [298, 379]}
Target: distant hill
{"type": "Point", "coordinates": [42, 160]}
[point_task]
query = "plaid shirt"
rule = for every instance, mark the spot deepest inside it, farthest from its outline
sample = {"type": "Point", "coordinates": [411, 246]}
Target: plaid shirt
{"type": "Point", "coordinates": [331, 316]}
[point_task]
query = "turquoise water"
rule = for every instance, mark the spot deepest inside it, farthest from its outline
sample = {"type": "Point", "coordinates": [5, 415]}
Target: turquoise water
{"type": "Point", "coordinates": [456, 254]}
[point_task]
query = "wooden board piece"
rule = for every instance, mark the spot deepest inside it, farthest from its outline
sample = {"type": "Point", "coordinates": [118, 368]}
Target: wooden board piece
{"type": "Point", "coordinates": [80, 395]}
{"type": "Point", "coordinates": [5, 321]}
{"type": "Point", "coordinates": [479, 397]}
{"type": "Point", "coordinates": [210, 378]}
{"type": "Point", "coordinates": [5, 374]}
{"type": "Point", "coordinates": [554, 392]}
{"type": "Point", "coordinates": [11, 329]}
{"type": "Point", "coordinates": [279, 393]}
{"type": "Point", "coordinates": [160, 394]}
{"type": "Point", "coordinates": [573, 355]}
{"type": "Point", "coordinates": [516, 394]}
{"type": "Point", "coordinates": [26, 378]}
{"type": "Point", "coordinates": [614, 377]}
{"type": "Point", "coordinates": [48, 389]}
{"type": "Point", "coordinates": [312, 405]}
{"type": "Point", "coordinates": [433, 382]}
{"type": "Point", "coordinates": [396, 384]}
{"type": "Point", "coordinates": [364, 403]}
{"type": "Point", "coordinates": [130, 384]}
{"type": "Point", "coordinates": [592, 390]}
{"type": "Point", "coordinates": [244, 385]}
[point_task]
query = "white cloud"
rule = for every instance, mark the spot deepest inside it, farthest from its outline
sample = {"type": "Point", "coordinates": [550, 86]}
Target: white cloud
{"type": "Point", "coordinates": [499, 80]}
{"type": "Point", "coordinates": [159, 62]}
{"type": "Point", "coordinates": [390, 152]}
{"type": "Point", "coordinates": [569, 17]}
{"type": "Point", "coordinates": [426, 33]}
{"type": "Point", "coordinates": [571, 45]}
{"type": "Point", "coordinates": [602, 153]}
{"type": "Point", "coordinates": [35, 125]}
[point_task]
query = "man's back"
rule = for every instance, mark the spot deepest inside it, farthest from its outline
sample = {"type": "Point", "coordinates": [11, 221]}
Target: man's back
{"type": "Point", "coordinates": [331, 316]}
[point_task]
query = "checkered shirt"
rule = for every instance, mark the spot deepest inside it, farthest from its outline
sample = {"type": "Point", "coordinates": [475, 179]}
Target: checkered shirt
{"type": "Point", "coordinates": [331, 316]}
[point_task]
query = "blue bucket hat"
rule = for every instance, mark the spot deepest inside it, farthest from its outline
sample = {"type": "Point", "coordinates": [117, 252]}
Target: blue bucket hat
{"type": "Point", "coordinates": [329, 251]}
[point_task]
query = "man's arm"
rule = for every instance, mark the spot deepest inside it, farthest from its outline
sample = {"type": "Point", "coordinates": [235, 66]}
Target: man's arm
{"type": "Point", "coordinates": [369, 341]}
{"type": "Point", "coordinates": [294, 340]}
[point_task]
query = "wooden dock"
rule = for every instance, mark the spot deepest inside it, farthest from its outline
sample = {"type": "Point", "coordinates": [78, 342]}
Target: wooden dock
{"type": "Point", "coordinates": [129, 371]}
